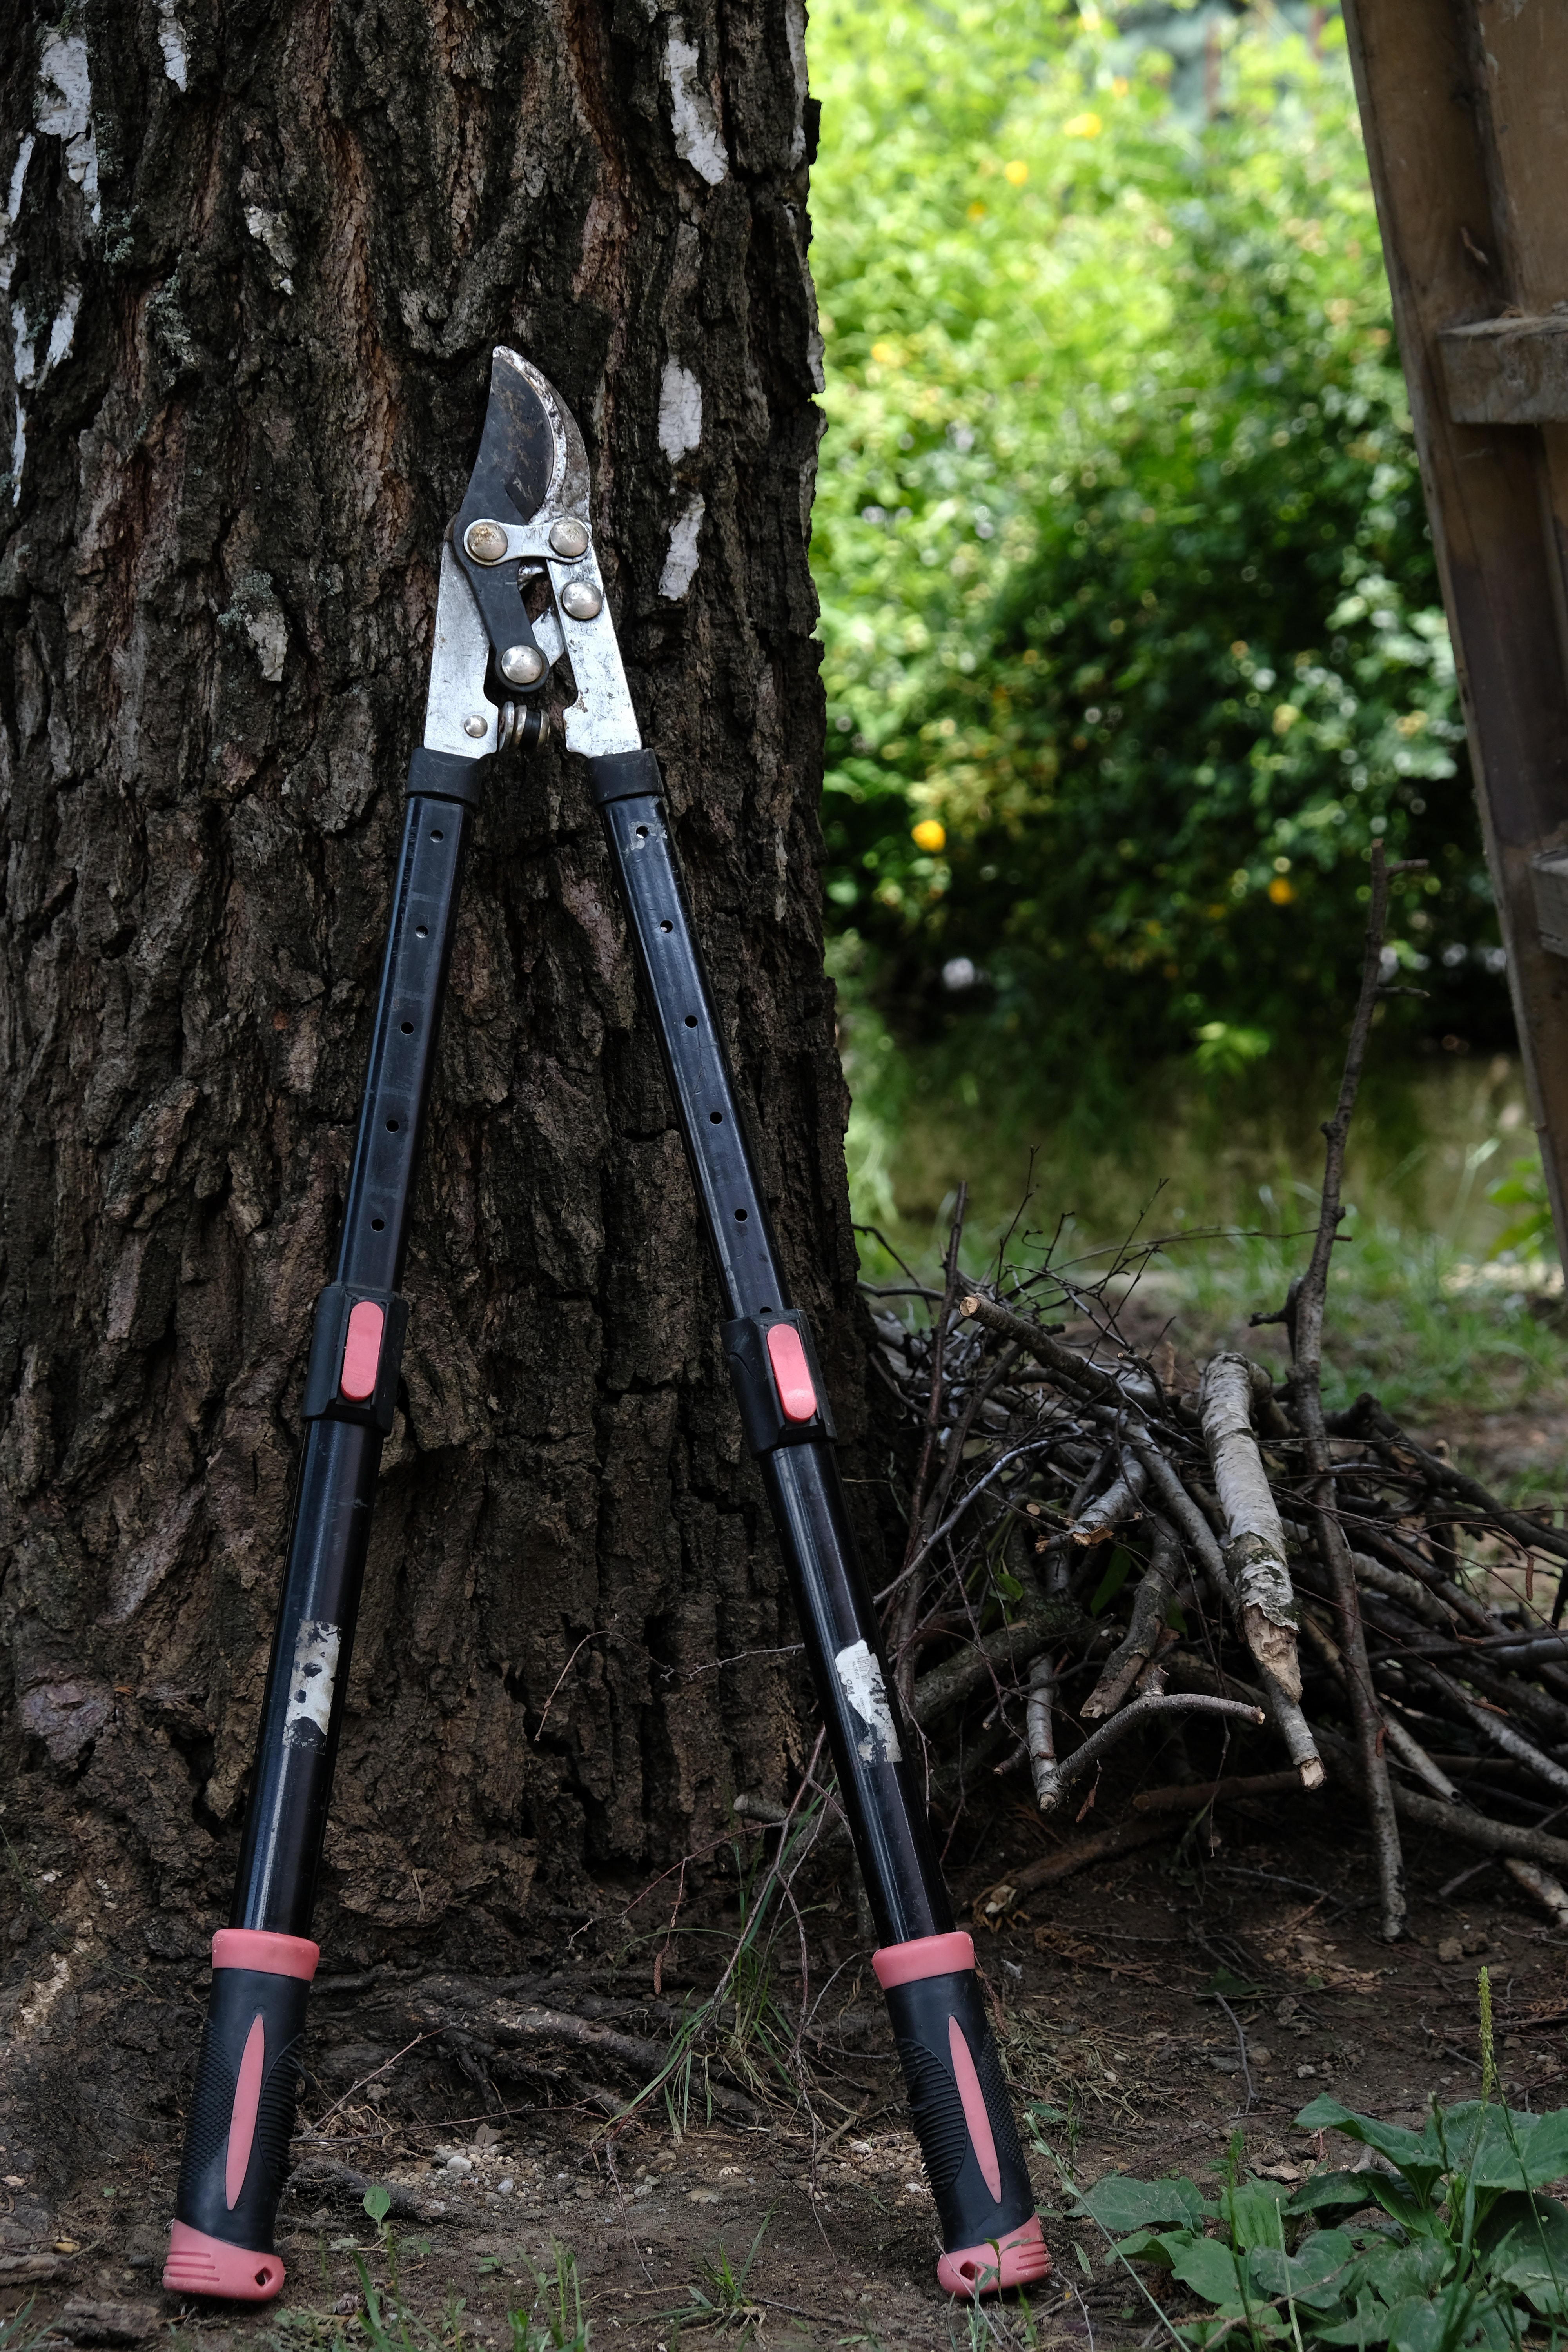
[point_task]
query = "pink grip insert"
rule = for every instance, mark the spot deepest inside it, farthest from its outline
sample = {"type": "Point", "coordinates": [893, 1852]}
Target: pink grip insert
{"type": "Point", "coordinates": [792, 1373]}
{"type": "Point", "coordinates": [975, 2114]}
{"type": "Point", "coordinates": [242, 2121]}
{"type": "Point", "coordinates": [362, 1351]}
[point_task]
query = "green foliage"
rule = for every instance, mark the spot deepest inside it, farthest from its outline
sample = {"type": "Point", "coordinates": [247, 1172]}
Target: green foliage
{"type": "Point", "coordinates": [721, 2301]}
{"type": "Point", "coordinates": [1524, 1189]}
{"type": "Point", "coordinates": [1132, 631]}
{"type": "Point", "coordinates": [1459, 2248]}
{"type": "Point", "coordinates": [556, 2322]}
{"type": "Point", "coordinates": [16, 2336]}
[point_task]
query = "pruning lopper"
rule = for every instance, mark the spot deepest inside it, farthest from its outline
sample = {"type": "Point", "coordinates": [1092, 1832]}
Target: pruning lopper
{"type": "Point", "coordinates": [523, 542]}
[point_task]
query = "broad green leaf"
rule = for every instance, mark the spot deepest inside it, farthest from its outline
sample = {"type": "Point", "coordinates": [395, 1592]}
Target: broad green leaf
{"type": "Point", "coordinates": [1366, 2325]}
{"type": "Point", "coordinates": [1118, 2203]}
{"type": "Point", "coordinates": [1417, 2323]}
{"type": "Point", "coordinates": [1209, 2269]}
{"type": "Point", "coordinates": [1250, 2212]}
{"type": "Point", "coordinates": [1398, 2272]}
{"type": "Point", "coordinates": [1320, 2275]}
{"type": "Point", "coordinates": [1339, 2192]}
{"type": "Point", "coordinates": [1499, 2147]}
{"type": "Point", "coordinates": [1523, 2244]}
{"type": "Point", "coordinates": [1160, 2246]}
{"type": "Point", "coordinates": [1460, 2316]}
{"type": "Point", "coordinates": [1417, 2155]}
{"type": "Point", "coordinates": [1226, 1985]}
{"type": "Point", "coordinates": [377, 2204]}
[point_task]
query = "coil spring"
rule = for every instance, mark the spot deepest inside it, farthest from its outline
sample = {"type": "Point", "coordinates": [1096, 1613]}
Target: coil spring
{"type": "Point", "coordinates": [520, 727]}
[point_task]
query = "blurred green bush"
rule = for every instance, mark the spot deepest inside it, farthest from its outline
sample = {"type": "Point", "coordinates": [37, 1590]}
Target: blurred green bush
{"type": "Point", "coordinates": [1133, 641]}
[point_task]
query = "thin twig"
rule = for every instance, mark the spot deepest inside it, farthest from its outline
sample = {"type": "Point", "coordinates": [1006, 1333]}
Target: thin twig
{"type": "Point", "coordinates": [1305, 1329]}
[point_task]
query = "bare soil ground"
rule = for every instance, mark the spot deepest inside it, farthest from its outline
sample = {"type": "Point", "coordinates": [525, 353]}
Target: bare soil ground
{"type": "Point", "coordinates": [1098, 1988]}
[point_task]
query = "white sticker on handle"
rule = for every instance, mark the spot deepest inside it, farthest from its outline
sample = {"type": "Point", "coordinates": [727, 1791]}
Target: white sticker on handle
{"type": "Point", "coordinates": [311, 1685]}
{"type": "Point", "coordinates": [860, 1679]}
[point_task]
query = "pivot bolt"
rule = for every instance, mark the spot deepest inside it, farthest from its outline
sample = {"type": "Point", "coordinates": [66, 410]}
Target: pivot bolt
{"type": "Point", "coordinates": [522, 665]}
{"type": "Point", "coordinates": [476, 727]}
{"type": "Point", "coordinates": [568, 537]}
{"type": "Point", "coordinates": [581, 599]}
{"type": "Point", "coordinates": [486, 541]}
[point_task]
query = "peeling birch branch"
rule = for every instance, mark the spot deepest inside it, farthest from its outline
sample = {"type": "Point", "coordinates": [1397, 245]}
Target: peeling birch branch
{"type": "Point", "coordinates": [1254, 1553]}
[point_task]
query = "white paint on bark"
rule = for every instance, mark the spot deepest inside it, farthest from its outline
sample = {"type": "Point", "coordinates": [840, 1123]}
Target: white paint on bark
{"type": "Point", "coordinates": [697, 136]}
{"type": "Point", "coordinates": [64, 109]}
{"type": "Point", "coordinates": [860, 1679]}
{"type": "Point", "coordinates": [679, 411]}
{"type": "Point", "coordinates": [19, 177]}
{"type": "Point", "coordinates": [29, 371]}
{"type": "Point", "coordinates": [62, 331]}
{"type": "Point", "coordinates": [681, 558]}
{"type": "Point", "coordinates": [171, 41]}
{"type": "Point", "coordinates": [795, 33]}
{"type": "Point", "coordinates": [13, 206]}
{"type": "Point", "coordinates": [269, 632]}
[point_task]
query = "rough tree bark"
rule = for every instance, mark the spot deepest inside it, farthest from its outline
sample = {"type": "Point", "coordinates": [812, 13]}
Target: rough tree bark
{"type": "Point", "coordinates": [258, 257]}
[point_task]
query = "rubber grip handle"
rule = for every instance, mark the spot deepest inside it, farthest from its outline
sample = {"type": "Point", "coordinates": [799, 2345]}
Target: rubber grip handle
{"type": "Point", "coordinates": [963, 2115]}
{"type": "Point", "coordinates": [240, 2121]}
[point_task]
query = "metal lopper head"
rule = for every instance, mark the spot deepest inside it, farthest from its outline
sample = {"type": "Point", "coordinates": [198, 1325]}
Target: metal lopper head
{"type": "Point", "coordinates": [522, 536]}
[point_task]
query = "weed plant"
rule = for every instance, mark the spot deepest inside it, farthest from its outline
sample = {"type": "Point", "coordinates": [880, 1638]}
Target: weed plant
{"type": "Point", "coordinates": [553, 2323]}
{"type": "Point", "coordinates": [1441, 2241]}
{"type": "Point", "coordinates": [740, 2027]}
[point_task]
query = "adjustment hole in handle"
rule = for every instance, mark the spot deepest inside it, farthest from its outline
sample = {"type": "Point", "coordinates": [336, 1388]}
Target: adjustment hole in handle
{"type": "Point", "coordinates": [691, 1020]}
{"type": "Point", "coordinates": [438, 836]}
{"type": "Point", "coordinates": [421, 930]}
{"type": "Point", "coordinates": [667, 927]}
{"type": "Point", "coordinates": [642, 833]}
{"type": "Point", "coordinates": [408, 1028]}
{"type": "Point", "coordinates": [392, 1126]}
{"type": "Point", "coordinates": [378, 1224]}
{"type": "Point", "coordinates": [739, 1217]}
{"type": "Point", "coordinates": [717, 1116]}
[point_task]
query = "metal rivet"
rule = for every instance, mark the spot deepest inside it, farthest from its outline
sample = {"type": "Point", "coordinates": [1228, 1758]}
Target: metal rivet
{"type": "Point", "coordinates": [581, 599]}
{"type": "Point", "coordinates": [486, 541]}
{"type": "Point", "coordinates": [568, 537]}
{"type": "Point", "coordinates": [522, 665]}
{"type": "Point", "coordinates": [476, 727]}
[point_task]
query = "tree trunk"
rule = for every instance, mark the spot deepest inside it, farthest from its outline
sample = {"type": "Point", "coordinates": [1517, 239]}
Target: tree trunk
{"type": "Point", "coordinates": [258, 259]}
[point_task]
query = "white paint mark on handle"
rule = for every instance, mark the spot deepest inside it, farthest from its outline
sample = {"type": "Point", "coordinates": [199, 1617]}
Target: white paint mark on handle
{"type": "Point", "coordinates": [860, 1679]}
{"type": "Point", "coordinates": [315, 1670]}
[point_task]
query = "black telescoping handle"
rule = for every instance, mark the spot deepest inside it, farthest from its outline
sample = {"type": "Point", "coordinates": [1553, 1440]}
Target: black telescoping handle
{"type": "Point", "coordinates": [247, 2067]}
{"type": "Point", "coordinates": [958, 2097]}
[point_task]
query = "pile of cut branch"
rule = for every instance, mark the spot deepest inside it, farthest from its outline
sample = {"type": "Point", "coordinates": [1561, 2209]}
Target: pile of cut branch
{"type": "Point", "coordinates": [1324, 1575]}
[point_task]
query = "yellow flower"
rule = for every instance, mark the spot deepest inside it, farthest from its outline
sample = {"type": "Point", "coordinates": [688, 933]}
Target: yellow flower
{"type": "Point", "coordinates": [1412, 723]}
{"type": "Point", "coordinates": [928, 834]}
{"type": "Point", "coordinates": [977, 212]}
{"type": "Point", "coordinates": [1285, 717]}
{"type": "Point", "coordinates": [1119, 86]}
{"type": "Point", "coordinates": [1016, 174]}
{"type": "Point", "coordinates": [1280, 892]}
{"type": "Point", "coordinates": [888, 354]}
{"type": "Point", "coordinates": [1082, 126]}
